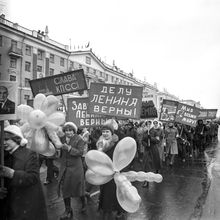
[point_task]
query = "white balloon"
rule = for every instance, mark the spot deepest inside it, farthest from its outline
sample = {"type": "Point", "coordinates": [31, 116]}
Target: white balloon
{"type": "Point", "coordinates": [37, 119]}
{"type": "Point", "coordinates": [57, 118]}
{"type": "Point", "coordinates": [39, 101]}
{"type": "Point", "coordinates": [49, 151]}
{"type": "Point", "coordinates": [52, 104]}
{"type": "Point", "coordinates": [23, 112]}
{"type": "Point", "coordinates": [96, 179]}
{"type": "Point", "coordinates": [124, 153]}
{"type": "Point", "coordinates": [99, 162]}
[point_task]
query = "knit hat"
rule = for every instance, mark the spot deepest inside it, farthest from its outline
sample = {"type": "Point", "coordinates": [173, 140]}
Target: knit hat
{"type": "Point", "coordinates": [70, 125]}
{"type": "Point", "coordinates": [14, 129]}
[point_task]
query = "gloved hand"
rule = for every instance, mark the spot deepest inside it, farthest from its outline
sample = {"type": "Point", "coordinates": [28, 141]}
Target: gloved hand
{"type": "Point", "coordinates": [66, 147]}
{"type": "Point", "coordinates": [6, 172]}
{"type": "Point", "coordinates": [3, 192]}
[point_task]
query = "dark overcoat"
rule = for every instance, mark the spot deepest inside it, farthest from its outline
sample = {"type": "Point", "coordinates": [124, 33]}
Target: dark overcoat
{"type": "Point", "coordinates": [25, 199]}
{"type": "Point", "coordinates": [71, 180]}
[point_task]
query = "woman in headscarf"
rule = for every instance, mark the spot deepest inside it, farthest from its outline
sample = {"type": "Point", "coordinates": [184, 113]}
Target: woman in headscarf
{"type": "Point", "coordinates": [23, 198]}
{"type": "Point", "coordinates": [71, 177]}
{"type": "Point", "coordinates": [108, 202]}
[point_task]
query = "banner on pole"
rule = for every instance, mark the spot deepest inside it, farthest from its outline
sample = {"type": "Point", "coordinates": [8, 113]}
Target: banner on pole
{"type": "Point", "coordinates": [115, 100]}
{"type": "Point", "coordinates": [186, 114]}
{"type": "Point", "coordinates": [8, 100]}
{"type": "Point", "coordinates": [77, 113]}
{"type": "Point", "coordinates": [69, 82]}
{"type": "Point", "coordinates": [168, 110]}
{"type": "Point", "coordinates": [206, 114]}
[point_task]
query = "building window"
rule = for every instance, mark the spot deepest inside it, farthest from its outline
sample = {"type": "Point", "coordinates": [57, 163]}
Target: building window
{"type": "Point", "coordinates": [40, 55]}
{"type": "Point", "coordinates": [28, 50]}
{"type": "Point", "coordinates": [61, 61]}
{"type": "Point", "coordinates": [27, 66]}
{"type": "Point", "coordinates": [112, 78]}
{"type": "Point", "coordinates": [71, 64]}
{"type": "Point", "coordinates": [26, 82]}
{"type": "Point", "coordinates": [51, 58]}
{"type": "Point", "coordinates": [87, 69]}
{"type": "Point", "coordinates": [61, 72]}
{"type": "Point", "coordinates": [88, 60]}
{"type": "Point", "coordinates": [12, 78]}
{"type": "Point", "coordinates": [106, 77]}
{"type": "Point", "coordinates": [80, 66]}
{"type": "Point", "coordinates": [26, 97]}
{"type": "Point", "coordinates": [1, 41]}
{"type": "Point", "coordinates": [51, 72]}
{"type": "Point", "coordinates": [0, 59]}
{"type": "Point", "coordinates": [14, 43]}
{"type": "Point", "coordinates": [13, 62]}
{"type": "Point", "coordinates": [39, 69]}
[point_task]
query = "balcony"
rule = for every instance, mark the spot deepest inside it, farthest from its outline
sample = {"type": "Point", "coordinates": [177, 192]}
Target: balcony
{"type": "Point", "coordinates": [15, 52]}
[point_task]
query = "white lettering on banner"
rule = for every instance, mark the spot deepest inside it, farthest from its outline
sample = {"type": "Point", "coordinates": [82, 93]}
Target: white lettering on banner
{"type": "Point", "coordinates": [119, 111]}
{"type": "Point", "coordinates": [74, 107]}
{"type": "Point", "coordinates": [188, 109]}
{"type": "Point", "coordinates": [112, 90]}
{"type": "Point", "coordinates": [109, 100]}
{"type": "Point", "coordinates": [113, 110]}
{"type": "Point", "coordinates": [78, 114]}
{"type": "Point", "coordinates": [117, 101]}
{"type": "Point", "coordinates": [125, 102]}
{"type": "Point", "coordinates": [101, 97]}
{"type": "Point", "coordinates": [91, 122]}
{"type": "Point", "coordinates": [64, 79]}
{"type": "Point", "coordinates": [189, 115]}
{"type": "Point", "coordinates": [128, 91]}
{"type": "Point", "coordinates": [189, 120]}
{"type": "Point", "coordinates": [134, 102]}
{"type": "Point", "coordinates": [95, 98]}
{"type": "Point", "coordinates": [104, 89]}
{"type": "Point", "coordinates": [121, 91]}
{"type": "Point", "coordinates": [67, 87]}
{"type": "Point", "coordinates": [128, 112]}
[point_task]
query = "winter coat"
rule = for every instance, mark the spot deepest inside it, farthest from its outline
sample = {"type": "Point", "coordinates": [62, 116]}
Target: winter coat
{"type": "Point", "coordinates": [25, 199]}
{"type": "Point", "coordinates": [107, 200]}
{"type": "Point", "coordinates": [71, 176]}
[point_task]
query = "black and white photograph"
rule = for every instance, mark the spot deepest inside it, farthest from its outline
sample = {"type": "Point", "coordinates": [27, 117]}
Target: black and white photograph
{"type": "Point", "coordinates": [109, 110]}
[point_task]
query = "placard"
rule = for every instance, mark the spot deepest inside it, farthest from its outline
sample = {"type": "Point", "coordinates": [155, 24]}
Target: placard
{"type": "Point", "coordinates": [168, 110]}
{"type": "Point", "coordinates": [115, 100]}
{"type": "Point", "coordinates": [206, 114]}
{"type": "Point", "coordinates": [148, 110]}
{"type": "Point", "coordinates": [187, 114]}
{"type": "Point", "coordinates": [8, 100]}
{"type": "Point", "coordinates": [77, 113]}
{"type": "Point", "coordinates": [69, 82]}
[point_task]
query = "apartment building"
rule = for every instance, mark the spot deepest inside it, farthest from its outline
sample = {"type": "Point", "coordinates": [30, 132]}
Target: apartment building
{"type": "Point", "coordinates": [29, 54]}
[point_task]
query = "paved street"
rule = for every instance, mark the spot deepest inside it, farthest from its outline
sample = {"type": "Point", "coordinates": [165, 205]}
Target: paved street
{"type": "Point", "coordinates": [181, 195]}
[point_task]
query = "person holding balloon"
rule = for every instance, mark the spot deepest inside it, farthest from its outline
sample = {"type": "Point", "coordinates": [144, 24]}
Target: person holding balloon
{"type": "Point", "coordinates": [108, 202]}
{"type": "Point", "coordinates": [71, 176]}
{"type": "Point", "coordinates": [23, 196]}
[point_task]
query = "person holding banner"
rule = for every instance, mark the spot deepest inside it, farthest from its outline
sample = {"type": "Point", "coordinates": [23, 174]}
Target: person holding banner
{"type": "Point", "coordinates": [171, 134]}
{"type": "Point", "coordinates": [23, 196]}
{"type": "Point", "coordinates": [71, 176]}
{"type": "Point", "coordinates": [200, 131]}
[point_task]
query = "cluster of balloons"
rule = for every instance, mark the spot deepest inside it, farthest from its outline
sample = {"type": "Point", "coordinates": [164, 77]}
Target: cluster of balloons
{"type": "Point", "coordinates": [101, 169]}
{"type": "Point", "coordinates": [41, 123]}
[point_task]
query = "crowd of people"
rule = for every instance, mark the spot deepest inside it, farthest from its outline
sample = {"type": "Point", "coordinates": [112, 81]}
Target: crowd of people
{"type": "Point", "coordinates": [158, 144]}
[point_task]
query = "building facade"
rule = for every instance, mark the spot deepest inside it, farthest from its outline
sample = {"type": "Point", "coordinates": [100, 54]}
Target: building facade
{"type": "Point", "coordinates": [28, 54]}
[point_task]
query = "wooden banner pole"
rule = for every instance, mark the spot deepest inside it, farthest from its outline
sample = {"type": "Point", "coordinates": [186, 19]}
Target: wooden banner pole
{"type": "Point", "coordinates": [2, 149]}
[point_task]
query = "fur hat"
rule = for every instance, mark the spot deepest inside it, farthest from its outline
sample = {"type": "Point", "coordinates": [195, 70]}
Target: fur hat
{"type": "Point", "coordinates": [15, 130]}
{"type": "Point", "coordinates": [70, 125]}
{"type": "Point", "coordinates": [108, 126]}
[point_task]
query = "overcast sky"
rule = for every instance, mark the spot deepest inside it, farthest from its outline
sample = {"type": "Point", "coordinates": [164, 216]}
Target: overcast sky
{"type": "Point", "coordinates": [171, 42]}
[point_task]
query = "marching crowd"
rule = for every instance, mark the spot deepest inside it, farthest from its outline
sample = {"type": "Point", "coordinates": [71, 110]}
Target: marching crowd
{"type": "Point", "coordinates": [158, 144]}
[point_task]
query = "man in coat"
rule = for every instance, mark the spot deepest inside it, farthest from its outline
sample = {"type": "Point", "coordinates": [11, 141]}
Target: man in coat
{"type": "Point", "coordinates": [6, 105]}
